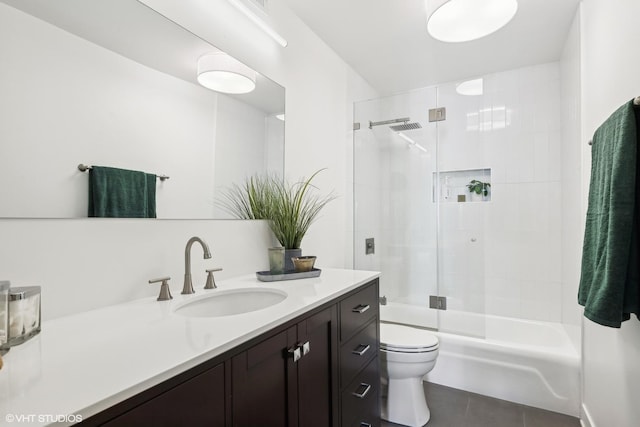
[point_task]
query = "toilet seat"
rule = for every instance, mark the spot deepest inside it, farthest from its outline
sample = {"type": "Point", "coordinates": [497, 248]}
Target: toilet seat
{"type": "Point", "coordinates": [405, 339]}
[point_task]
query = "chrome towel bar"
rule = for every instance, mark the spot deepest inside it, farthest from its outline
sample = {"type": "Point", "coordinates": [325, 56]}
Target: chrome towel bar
{"type": "Point", "coordinates": [83, 168]}
{"type": "Point", "coordinates": [635, 102]}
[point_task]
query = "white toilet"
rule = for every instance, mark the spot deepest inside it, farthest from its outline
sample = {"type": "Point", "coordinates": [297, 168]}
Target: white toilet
{"type": "Point", "coordinates": [407, 354]}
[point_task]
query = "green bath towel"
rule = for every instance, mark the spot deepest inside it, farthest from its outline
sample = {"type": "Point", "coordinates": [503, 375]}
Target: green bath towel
{"type": "Point", "coordinates": [610, 268]}
{"type": "Point", "coordinates": [121, 193]}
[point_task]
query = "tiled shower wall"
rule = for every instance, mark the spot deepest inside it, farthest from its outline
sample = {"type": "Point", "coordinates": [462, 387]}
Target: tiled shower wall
{"type": "Point", "coordinates": [501, 256]}
{"type": "Point", "coordinates": [523, 222]}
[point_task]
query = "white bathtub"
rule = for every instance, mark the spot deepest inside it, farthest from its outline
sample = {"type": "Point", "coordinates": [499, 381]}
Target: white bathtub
{"type": "Point", "coordinates": [529, 362]}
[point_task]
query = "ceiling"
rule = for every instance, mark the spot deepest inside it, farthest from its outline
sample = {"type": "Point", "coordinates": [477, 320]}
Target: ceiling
{"type": "Point", "coordinates": [386, 41]}
{"type": "Point", "coordinates": [135, 31]}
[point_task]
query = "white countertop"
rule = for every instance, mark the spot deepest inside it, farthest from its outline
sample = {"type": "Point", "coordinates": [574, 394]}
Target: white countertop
{"type": "Point", "coordinates": [87, 362]}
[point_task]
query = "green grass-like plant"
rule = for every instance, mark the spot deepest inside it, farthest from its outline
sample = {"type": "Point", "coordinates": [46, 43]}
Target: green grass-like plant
{"type": "Point", "coordinates": [290, 208]}
{"type": "Point", "coordinates": [253, 199]}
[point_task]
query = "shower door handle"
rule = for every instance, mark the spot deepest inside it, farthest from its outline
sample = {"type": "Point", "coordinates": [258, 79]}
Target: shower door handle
{"type": "Point", "coordinates": [361, 308]}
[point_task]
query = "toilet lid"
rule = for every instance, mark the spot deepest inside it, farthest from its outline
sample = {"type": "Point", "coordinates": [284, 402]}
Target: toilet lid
{"type": "Point", "coordinates": [406, 339]}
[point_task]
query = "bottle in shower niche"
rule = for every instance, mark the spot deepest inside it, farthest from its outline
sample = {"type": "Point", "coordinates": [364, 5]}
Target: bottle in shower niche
{"type": "Point", "coordinates": [4, 316]}
{"type": "Point", "coordinates": [445, 190]}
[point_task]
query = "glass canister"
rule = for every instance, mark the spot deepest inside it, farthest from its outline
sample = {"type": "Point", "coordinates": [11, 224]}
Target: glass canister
{"type": "Point", "coordinates": [276, 260]}
{"type": "Point", "coordinates": [4, 316]}
{"type": "Point", "coordinates": [24, 313]}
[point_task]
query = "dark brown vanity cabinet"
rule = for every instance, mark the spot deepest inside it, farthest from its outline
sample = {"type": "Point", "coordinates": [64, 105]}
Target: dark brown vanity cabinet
{"type": "Point", "coordinates": [359, 365]}
{"type": "Point", "coordinates": [318, 370]}
{"type": "Point", "coordinates": [290, 378]}
{"type": "Point", "coordinates": [199, 401]}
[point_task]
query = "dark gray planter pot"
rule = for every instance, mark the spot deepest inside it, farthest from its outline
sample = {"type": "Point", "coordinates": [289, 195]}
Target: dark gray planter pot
{"type": "Point", "coordinates": [288, 254]}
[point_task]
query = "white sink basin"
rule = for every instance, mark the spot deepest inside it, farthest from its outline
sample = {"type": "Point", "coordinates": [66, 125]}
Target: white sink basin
{"type": "Point", "coordinates": [232, 301]}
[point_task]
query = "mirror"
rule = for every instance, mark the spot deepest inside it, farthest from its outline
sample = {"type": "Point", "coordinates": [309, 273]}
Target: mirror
{"type": "Point", "coordinates": [113, 83]}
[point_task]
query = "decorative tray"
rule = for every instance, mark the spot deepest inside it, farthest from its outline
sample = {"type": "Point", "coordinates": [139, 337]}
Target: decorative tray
{"type": "Point", "coordinates": [266, 276]}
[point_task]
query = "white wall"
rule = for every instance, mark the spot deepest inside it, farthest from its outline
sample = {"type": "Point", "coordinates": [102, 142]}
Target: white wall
{"type": "Point", "coordinates": [94, 106]}
{"type": "Point", "coordinates": [571, 156]}
{"type": "Point", "coordinates": [108, 261]}
{"type": "Point", "coordinates": [320, 90]}
{"type": "Point", "coordinates": [88, 263]}
{"type": "Point", "coordinates": [610, 66]}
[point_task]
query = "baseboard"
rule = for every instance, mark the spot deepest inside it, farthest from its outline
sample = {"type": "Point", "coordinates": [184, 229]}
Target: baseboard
{"type": "Point", "coordinates": [585, 417]}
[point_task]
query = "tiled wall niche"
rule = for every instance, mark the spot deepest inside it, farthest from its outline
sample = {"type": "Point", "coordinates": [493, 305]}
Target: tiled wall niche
{"type": "Point", "coordinates": [454, 186]}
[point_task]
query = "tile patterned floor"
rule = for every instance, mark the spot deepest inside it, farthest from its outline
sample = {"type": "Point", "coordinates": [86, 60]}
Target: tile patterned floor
{"type": "Point", "coordinates": [457, 408]}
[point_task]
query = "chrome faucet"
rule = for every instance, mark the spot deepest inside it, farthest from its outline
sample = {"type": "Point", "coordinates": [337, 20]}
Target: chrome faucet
{"type": "Point", "coordinates": [188, 286]}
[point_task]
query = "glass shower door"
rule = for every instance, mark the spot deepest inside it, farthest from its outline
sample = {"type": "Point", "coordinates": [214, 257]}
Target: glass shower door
{"type": "Point", "coordinates": [421, 192]}
{"type": "Point", "coordinates": [395, 155]}
{"type": "Point", "coordinates": [464, 195]}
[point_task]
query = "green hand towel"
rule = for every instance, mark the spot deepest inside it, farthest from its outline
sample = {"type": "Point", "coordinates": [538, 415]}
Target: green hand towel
{"type": "Point", "coordinates": [609, 278]}
{"type": "Point", "coordinates": [121, 193]}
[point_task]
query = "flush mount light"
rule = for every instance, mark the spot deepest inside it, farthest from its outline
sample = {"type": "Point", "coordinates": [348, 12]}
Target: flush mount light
{"type": "Point", "coordinates": [465, 20]}
{"type": "Point", "coordinates": [470, 87]}
{"type": "Point", "coordinates": [223, 73]}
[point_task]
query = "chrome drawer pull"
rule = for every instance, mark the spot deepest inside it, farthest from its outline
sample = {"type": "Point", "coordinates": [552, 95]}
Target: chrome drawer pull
{"type": "Point", "coordinates": [367, 387]}
{"type": "Point", "coordinates": [361, 308]}
{"type": "Point", "coordinates": [363, 424]}
{"type": "Point", "coordinates": [361, 349]}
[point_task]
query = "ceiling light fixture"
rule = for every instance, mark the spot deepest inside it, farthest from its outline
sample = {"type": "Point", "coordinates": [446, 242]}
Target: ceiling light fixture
{"type": "Point", "coordinates": [242, 7]}
{"type": "Point", "coordinates": [464, 20]}
{"type": "Point", "coordinates": [223, 73]}
{"type": "Point", "coordinates": [470, 87]}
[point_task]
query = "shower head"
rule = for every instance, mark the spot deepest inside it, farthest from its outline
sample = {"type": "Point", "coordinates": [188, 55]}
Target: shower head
{"type": "Point", "coordinates": [397, 128]}
{"type": "Point", "coordinates": [406, 126]}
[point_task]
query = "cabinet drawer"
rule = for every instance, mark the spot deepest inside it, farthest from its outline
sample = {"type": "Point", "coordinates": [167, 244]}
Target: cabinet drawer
{"type": "Point", "coordinates": [366, 420]}
{"type": "Point", "coordinates": [360, 397]}
{"type": "Point", "coordinates": [358, 351]}
{"type": "Point", "coordinates": [357, 310]}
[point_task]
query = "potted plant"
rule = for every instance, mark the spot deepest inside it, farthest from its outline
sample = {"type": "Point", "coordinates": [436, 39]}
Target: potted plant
{"type": "Point", "coordinates": [478, 188]}
{"type": "Point", "coordinates": [290, 208]}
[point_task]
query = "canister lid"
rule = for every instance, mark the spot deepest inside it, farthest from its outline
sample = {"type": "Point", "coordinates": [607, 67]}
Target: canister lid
{"type": "Point", "coordinates": [23, 292]}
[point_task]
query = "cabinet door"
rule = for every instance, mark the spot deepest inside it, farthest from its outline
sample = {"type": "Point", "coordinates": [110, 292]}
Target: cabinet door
{"type": "Point", "coordinates": [199, 401]}
{"type": "Point", "coordinates": [317, 370]}
{"type": "Point", "coordinates": [270, 388]}
{"type": "Point", "coordinates": [260, 383]}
